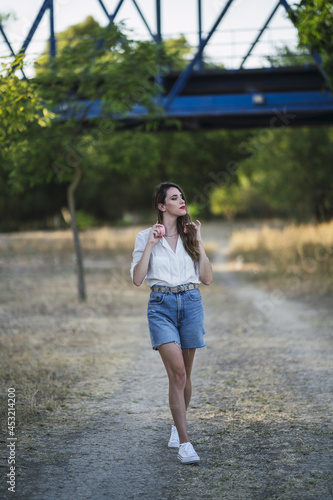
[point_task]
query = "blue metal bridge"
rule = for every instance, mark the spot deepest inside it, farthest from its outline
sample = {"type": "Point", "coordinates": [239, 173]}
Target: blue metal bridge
{"type": "Point", "coordinates": [203, 98]}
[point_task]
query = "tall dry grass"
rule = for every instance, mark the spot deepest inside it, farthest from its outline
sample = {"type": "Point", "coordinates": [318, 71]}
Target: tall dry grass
{"type": "Point", "coordinates": [50, 345]}
{"type": "Point", "coordinates": [52, 348]}
{"type": "Point", "coordinates": [305, 250]}
{"type": "Point", "coordinates": [62, 241]}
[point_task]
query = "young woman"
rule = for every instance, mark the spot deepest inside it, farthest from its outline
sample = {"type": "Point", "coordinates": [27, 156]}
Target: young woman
{"type": "Point", "coordinates": [171, 256]}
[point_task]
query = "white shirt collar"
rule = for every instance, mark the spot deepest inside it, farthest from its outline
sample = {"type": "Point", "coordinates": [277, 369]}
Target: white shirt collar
{"type": "Point", "coordinates": [166, 245]}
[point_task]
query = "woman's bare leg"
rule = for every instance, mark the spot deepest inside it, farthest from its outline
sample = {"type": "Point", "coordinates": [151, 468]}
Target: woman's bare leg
{"type": "Point", "coordinates": [188, 357]}
{"type": "Point", "coordinates": [178, 364]}
{"type": "Point", "coordinates": [173, 360]}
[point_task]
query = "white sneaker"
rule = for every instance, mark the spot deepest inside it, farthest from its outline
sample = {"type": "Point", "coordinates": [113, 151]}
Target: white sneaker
{"type": "Point", "coordinates": [174, 438]}
{"type": "Point", "coordinates": [187, 454]}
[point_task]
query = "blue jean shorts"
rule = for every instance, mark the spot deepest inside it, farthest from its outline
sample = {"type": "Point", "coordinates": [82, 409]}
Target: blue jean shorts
{"type": "Point", "coordinates": [176, 317]}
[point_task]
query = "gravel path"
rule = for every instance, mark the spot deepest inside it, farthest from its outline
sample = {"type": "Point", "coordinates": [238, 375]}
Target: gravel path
{"type": "Point", "coordinates": [260, 416]}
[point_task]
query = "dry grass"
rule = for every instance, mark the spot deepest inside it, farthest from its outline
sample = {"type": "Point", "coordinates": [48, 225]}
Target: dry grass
{"type": "Point", "coordinates": [52, 348]}
{"type": "Point", "coordinates": [256, 417]}
{"type": "Point", "coordinates": [56, 365]}
{"type": "Point", "coordinates": [62, 241]}
{"type": "Point", "coordinates": [305, 251]}
{"type": "Point", "coordinates": [33, 365]}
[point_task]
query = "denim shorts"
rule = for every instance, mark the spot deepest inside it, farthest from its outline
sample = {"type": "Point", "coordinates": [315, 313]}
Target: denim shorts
{"type": "Point", "coordinates": [176, 317]}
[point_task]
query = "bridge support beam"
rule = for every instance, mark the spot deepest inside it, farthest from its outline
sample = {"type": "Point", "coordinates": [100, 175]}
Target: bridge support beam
{"type": "Point", "coordinates": [180, 83]}
{"type": "Point", "coordinates": [47, 5]}
{"type": "Point", "coordinates": [259, 34]}
{"type": "Point", "coordinates": [316, 57]}
{"type": "Point", "coordinates": [53, 47]}
{"type": "Point", "coordinates": [143, 19]}
{"type": "Point", "coordinates": [158, 22]}
{"type": "Point", "coordinates": [200, 61]}
{"type": "Point", "coordinates": [39, 17]}
{"type": "Point", "coordinates": [10, 47]}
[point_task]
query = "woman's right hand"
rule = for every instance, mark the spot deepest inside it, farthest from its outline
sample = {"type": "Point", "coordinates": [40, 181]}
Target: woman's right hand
{"type": "Point", "coordinates": [155, 236]}
{"type": "Point", "coordinates": [141, 268]}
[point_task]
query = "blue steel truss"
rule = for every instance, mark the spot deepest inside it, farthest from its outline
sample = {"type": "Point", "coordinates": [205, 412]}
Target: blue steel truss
{"type": "Point", "coordinates": [196, 105]}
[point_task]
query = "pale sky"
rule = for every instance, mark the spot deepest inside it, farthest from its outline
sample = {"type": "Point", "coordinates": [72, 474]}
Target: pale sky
{"type": "Point", "coordinates": [235, 33]}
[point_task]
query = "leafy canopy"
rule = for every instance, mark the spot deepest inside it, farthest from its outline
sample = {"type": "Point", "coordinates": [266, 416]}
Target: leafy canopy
{"type": "Point", "coordinates": [314, 21]}
{"type": "Point", "coordinates": [98, 63]}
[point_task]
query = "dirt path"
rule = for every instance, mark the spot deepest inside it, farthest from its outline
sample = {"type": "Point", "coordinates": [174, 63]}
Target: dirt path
{"type": "Point", "coordinates": [260, 417]}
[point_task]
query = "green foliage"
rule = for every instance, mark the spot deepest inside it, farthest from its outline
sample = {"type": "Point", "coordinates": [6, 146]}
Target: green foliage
{"type": "Point", "coordinates": [314, 21]}
{"type": "Point", "coordinates": [68, 38]}
{"type": "Point", "coordinates": [224, 173]}
{"type": "Point", "coordinates": [118, 174]}
{"type": "Point", "coordinates": [229, 201]}
{"type": "Point", "coordinates": [199, 161]}
{"type": "Point", "coordinates": [241, 199]}
{"type": "Point", "coordinates": [21, 105]}
{"type": "Point", "coordinates": [104, 65]}
{"type": "Point", "coordinates": [178, 52]}
{"type": "Point", "coordinates": [6, 17]}
{"type": "Point", "coordinates": [195, 211]}
{"type": "Point", "coordinates": [286, 57]}
{"type": "Point", "coordinates": [22, 111]}
{"type": "Point", "coordinates": [293, 174]}
{"type": "Point", "coordinates": [84, 220]}
{"type": "Point", "coordinates": [289, 175]}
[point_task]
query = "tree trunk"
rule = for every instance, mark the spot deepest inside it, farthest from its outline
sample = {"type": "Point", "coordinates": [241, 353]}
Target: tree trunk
{"type": "Point", "coordinates": [78, 254]}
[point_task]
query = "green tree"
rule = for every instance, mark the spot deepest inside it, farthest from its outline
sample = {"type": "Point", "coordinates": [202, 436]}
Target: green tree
{"type": "Point", "coordinates": [178, 52]}
{"type": "Point", "coordinates": [314, 21]}
{"type": "Point", "coordinates": [22, 109]}
{"type": "Point", "coordinates": [110, 193]}
{"type": "Point", "coordinates": [70, 37]}
{"type": "Point", "coordinates": [286, 57]}
{"type": "Point", "coordinates": [104, 68]}
{"type": "Point", "coordinates": [201, 161]}
{"type": "Point", "coordinates": [241, 199]}
{"type": "Point", "coordinates": [293, 173]}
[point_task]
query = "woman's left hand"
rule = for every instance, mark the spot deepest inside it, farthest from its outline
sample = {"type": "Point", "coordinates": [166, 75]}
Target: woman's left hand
{"type": "Point", "coordinates": [197, 227]}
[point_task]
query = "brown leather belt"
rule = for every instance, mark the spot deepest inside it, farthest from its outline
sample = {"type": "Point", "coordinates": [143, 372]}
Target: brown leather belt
{"type": "Point", "coordinates": [174, 289]}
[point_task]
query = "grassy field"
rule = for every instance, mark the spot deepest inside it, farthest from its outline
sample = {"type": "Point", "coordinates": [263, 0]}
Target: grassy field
{"type": "Point", "coordinates": [51, 343]}
{"type": "Point", "coordinates": [261, 406]}
{"type": "Point", "coordinates": [52, 346]}
{"type": "Point", "coordinates": [298, 258]}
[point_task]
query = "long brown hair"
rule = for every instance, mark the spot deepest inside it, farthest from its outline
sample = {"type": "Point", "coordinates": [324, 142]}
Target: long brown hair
{"type": "Point", "coordinates": [184, 223]}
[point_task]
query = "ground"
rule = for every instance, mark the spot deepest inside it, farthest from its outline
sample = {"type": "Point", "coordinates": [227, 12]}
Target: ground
{"type": "Point", "coordinates": [261, 412]}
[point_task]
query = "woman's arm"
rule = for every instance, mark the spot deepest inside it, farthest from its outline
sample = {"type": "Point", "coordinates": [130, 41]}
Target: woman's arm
{"type": "Point", "coordinates": [141, 268]}
{"type": "Point", "coordinates": [205, 267]}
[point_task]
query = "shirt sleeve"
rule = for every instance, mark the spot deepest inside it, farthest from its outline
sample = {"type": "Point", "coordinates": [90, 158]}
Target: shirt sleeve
{"type": "Point", "coordinates": [139, 247]}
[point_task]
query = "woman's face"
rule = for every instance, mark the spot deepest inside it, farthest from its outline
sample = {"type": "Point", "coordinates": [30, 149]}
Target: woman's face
{"type": "Point", "coordinates": [174, 203]}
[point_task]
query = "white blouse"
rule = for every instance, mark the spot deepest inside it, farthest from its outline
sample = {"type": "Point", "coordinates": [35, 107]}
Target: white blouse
{"type": "Point", "coordinates": [166, 267]}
